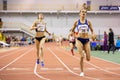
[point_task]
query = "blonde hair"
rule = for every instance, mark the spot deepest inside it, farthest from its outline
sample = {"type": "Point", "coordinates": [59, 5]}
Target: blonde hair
{"type": "Point", "coordinates": [83, 6]}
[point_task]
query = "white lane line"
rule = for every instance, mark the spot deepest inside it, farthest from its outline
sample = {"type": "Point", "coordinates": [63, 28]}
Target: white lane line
{"type": "Point", "coordinates": [90, 69]}
{"type": "Point", "coordinates": [15, 59]}
{"type": "Point", "coordinates": [51, 69]}
{"type": "Point", "coordinates": [35, 72]}
{"type": "Point", "coordinates": [18, 69]}
{"type": "Point", "coordinates": [112, 68]}
{"type": "Point", "coordinates": [68, 67]}
{"type": "Point", "coordinates": [93, 65]}
{"type": "Point", "coordinates": [10, 53]}
{"type": "Point", "coordinates": [104, 69]}
{"type": "Point", "coordinates": [62, 62]}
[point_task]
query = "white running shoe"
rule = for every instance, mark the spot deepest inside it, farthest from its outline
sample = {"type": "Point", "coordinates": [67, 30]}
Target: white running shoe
{"type": "Point", "coordinates": [82, 74]}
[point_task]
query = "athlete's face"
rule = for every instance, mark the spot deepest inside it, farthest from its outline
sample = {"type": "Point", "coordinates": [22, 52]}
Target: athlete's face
{"type": "Point", "coordinates": [41, 16]}
{"type": "Point", "coordinates": [83, 13]}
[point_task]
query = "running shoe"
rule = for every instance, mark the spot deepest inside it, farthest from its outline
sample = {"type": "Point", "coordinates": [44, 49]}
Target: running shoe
{"type": "Point", "coordinates": [82, 74]}
{"type": "Point", "coordinates": [42, 63]}
{"type": "Point", "coordinates": [37, 61]}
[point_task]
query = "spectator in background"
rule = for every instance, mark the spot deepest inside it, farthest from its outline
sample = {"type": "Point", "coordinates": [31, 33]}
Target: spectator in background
{"type": "Point", "coordinates": [29, 41]}
{"type": "Point", "coordinates": [111, 46]}
{"type": "Point", "coordinates": [118, 43]}
{"type": "Point", "coordinates": [8, 40]}
{"type": "Point", "coordinates": [53, 36]}
{"type": "Point", "coordinates": [50, 38]}
{"type": "Point", "coordinates": [57, 40]}
{"type": "Point", "coordinates": [105, 41]}
{"type": "Point", "coordinates": [60, 40]}
{"type": "Point", "coordinates": [1, 23]}
{"type": "Point", "coordinates": [23, 41]}
{"type": "Point", "coordinates": [1, 36]}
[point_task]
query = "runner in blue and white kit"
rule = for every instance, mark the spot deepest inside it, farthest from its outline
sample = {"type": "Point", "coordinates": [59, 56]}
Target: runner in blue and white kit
{"type": "Point", "coordinates": [81, 27]}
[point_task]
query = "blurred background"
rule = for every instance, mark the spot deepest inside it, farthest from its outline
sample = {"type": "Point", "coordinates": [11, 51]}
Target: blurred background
{"type": "Point", "coordinates": [17, 16]}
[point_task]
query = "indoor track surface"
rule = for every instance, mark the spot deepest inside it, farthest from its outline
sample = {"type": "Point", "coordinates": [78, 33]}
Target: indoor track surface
{"type": "Point", "coordinates": [20, 64]}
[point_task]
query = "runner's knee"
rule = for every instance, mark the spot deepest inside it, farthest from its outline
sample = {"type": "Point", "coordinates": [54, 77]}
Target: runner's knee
{"type": "Point", "coordinates": [88, 59]}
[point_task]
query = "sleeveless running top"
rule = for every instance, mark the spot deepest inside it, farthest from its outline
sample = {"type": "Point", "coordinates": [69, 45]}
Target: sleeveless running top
{"type": "Point", "coordinates": [82, 27]}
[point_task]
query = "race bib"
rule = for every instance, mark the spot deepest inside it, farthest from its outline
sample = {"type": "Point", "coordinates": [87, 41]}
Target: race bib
{"type": "Point", "coordinates": [40, 27]}
{"type": "Point", "coordinates": [83, 28]}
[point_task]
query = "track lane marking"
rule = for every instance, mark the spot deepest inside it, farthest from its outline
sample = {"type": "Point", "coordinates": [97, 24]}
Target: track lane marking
{"type": "Point", "coordinates": [92, 64]}
{"type": "Point", "coordinates": [11, 53]}
{"type": "Point", "coordinates": [18, 69]}
{"type": "Point", "coordinates": [68, 67]}
{"type": "Point", "coordinates": [16, 59]}
{"type": "Point", "coordinates": [77, 68]}
{"type": "Point", "coordinates": [35, 72]}
{"type": "Point", "coordinates": [51, 69]}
